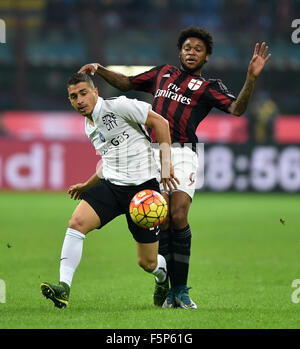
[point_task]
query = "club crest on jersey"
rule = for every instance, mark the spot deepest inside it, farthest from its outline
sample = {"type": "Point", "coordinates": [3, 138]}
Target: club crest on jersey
{"type": "Point", "coordinates": [102, 138]}
{"type": "Point", "coordinates": [194, 84]}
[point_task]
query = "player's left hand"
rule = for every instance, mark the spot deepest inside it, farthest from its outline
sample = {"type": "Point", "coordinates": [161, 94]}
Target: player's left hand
{"type": "Point", "coordinates": [75, 190]}
{"type": "Point", "coordinates": [258, 60]}
{"type": "Point", "coordinates": [169, 184]}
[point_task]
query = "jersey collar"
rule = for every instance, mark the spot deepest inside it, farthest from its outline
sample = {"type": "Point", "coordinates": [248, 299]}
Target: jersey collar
{"type": "Point", "coordinates": [97, 107]}
{"type": "Point", "coordinates": [198, 76]}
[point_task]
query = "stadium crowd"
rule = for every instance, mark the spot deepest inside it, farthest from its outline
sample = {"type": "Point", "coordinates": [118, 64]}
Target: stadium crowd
{"type": "Point", "coordinates": [49, 39]}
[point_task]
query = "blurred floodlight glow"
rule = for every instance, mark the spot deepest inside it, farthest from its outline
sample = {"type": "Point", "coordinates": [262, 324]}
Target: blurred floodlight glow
{"type": "Point", "coordinates": [130, 69]}
{"type": "Point", "coordinates": [2, 32]}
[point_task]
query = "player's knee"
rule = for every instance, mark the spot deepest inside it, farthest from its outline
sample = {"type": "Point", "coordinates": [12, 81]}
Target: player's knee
{"type": "Point", "coordinates": [147, 264]}
{"type": "Point", "coordinates": [179, 219]}
{"type": "Point", "coordinates": [77, 223]}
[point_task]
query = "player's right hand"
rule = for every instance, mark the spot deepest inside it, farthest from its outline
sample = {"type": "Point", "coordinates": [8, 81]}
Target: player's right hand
{"type": "Point", "coordinates": [76, 190]}
{"type": "Point", "coordinates": [90, 68]}
{"type": "Point", "coordinates": [169, 183]}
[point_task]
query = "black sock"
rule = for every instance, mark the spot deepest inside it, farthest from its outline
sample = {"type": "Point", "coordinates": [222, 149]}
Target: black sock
{"type": "Point", "coordinates": [164, 248]}
{"type": "Point", "coordinates": [181, 250]}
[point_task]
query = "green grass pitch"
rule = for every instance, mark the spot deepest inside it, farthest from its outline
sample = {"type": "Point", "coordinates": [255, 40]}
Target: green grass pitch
{"type": "Point", "coordinates": [243, 263]}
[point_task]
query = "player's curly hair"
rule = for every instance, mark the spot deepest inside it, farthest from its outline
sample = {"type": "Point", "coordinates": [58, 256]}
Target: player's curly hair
{"type": "Point", "coordinates": [80, 77]}
{"type": "Point", "coordinates": [196, 32]}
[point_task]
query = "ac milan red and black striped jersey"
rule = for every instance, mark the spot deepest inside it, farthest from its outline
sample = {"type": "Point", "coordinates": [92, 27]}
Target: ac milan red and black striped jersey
{"type": "Point", "coordinates": [182, 98]}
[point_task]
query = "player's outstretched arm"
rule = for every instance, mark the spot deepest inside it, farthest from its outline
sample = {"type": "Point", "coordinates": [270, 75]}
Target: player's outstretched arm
{"type": "Point", "coordinates": [162, 132]}
{"type": "Point", "coordinates": [115, 79]}
{"type": "Point", "coordinates": [256, 65]}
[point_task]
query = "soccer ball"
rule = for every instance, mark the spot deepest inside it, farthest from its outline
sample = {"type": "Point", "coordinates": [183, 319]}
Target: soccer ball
{"type": "Point", "coordinates": [148, 208]}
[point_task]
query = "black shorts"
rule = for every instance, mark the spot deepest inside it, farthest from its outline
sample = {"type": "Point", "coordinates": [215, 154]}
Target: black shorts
{"type": "Point", "coordinates": [111, 200]}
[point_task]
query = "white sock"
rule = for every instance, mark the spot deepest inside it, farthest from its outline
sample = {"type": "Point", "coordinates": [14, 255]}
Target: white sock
{"type": "Point", "coordinates": [70, 255]}
{"type": "Point", "coordinates": [160, 271]}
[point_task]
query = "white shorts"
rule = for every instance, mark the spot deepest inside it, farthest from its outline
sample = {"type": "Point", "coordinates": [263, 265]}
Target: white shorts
{"type": "Point", "coordinates": [185, 164]}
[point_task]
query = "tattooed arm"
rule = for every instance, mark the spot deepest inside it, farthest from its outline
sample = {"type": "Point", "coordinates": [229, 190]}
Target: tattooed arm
{"type": "Point", "coordinates": [256, 66]}
{"type": "Point", "coordinates": [239, 106]}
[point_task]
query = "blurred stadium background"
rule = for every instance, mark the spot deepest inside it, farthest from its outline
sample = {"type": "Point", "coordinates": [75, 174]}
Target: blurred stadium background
{"type": "Point", "coordinates": [43, 145]}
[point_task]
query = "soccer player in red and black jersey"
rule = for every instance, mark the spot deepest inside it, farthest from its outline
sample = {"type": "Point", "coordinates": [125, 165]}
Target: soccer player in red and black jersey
{"type": "Point", "coordinates": [184, 98]}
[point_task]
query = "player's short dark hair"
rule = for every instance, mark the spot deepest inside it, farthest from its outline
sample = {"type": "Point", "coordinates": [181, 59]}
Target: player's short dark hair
{"type": "Point", "coordinates": [196, 32]}
{"type": "Point", "coordinates": [80, 77]}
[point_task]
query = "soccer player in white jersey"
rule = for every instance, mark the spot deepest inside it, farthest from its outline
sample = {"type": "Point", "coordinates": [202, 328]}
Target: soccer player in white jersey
{"type": "Point", "coordinates": [116, 129]}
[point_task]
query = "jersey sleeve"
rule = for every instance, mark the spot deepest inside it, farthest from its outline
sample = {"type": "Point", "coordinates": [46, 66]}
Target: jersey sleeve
{"type": "Point", "coordinates": [218, 95]}
{"type": "Point", "coordinates": [132, 109]}
{"type": "Point", "coordinates": [145, 82]}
